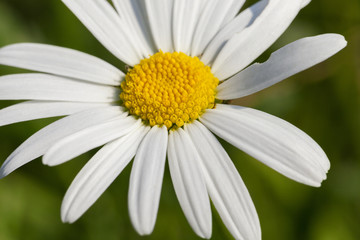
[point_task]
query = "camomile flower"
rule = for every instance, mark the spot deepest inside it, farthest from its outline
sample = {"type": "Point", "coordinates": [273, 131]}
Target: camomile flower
{"type": "Point", "coordinates": [185, 58]}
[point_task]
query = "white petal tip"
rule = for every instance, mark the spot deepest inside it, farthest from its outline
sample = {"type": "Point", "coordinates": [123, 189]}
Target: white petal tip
{"type": "Point", "coordinates": [143, 229]}
{"type": "Point", "coordinates": [63, 219]}
{"type": "Point", "coordinates": [208, 236]}
{"type": "Point", "coordinates": [66, 219]}
{"type": "Point", "coordinates": [315, 181]}
{"type": "Point", "coordinates": [144, 232]}
{"type": "Point", "coordinates": [64, 213]}
{"type": "Point", "coordinates": [340, 39]}
{"type": "Point", "coordinates": [4, 172]}
{"type": "Point", "coordinates": [46, 161]}
{"type": "Point", "coordinates": [66, 216]}
{"type": "Point", "coordinates": [205, 233]}
{"type": "Point", "coordinates": [254, 236]}
{"type": "Point", "coordinates": [317, 185]}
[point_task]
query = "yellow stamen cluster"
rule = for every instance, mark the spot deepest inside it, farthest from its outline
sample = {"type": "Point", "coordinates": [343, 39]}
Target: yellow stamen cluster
{"type": "Point", "coordinates": [169, 89]}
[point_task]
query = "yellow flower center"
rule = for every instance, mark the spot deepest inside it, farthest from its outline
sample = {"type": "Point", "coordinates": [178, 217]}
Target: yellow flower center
{"type": "Point", "coordinates": [169, 89]}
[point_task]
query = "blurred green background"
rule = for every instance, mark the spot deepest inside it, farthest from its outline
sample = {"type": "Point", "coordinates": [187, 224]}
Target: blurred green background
{"type": "Point", "coordinates": [324, 101]}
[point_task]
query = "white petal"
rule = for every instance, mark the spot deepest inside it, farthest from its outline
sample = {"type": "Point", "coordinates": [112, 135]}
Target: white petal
{"type": "Point", "coordinates": [233, 10]}
{"type": "Point", "coordinates": [159, 14]}
{"type": "Point", "coordinates": [133, 13]}
{"type": "Point", "coordinates": [212, 18]}
{"type": "Point", "coordinates": [89, 138]}
{"type": "Point", "coordinates": [283, 63]}
{"type": "Point", "coordinates": [186, 14]}
{"type": "Point", "coordinates": [238, 24]}
{"type": "Point", "coordinates": [60, 61]}
{"type": "Point", "coordinates": [104, 23]}
{"type": "Point", "coordinates": [146, 180]}
{"type": "Point", "coordinates": [305, 3]}
{"type": "Point", "coordinates": [37, 109]}
{"type": "Point", "coordinates": [225, 186]}
{"type": "Point", "coordinates": [189, 182]}
{"type": "Point", "coordinates": [40, 142]}
{"type": "Point", "coordinates": [97, 175]}
{"type": "Point", "coordinates": [245, 47]}
{"type": "Point", "coordinates": [271, 140]}
{"type": "Point", "coordinates": [36, 86]}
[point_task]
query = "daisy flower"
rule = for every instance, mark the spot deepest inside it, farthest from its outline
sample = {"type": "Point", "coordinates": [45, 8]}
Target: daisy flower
{"type": "Point", "coordinates": [185, 58]}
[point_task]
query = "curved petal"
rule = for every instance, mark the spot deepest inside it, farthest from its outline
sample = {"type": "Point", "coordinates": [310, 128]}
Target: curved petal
{"type": "Point", "coordinates": [212, 18]}
{"type": "Point", "coordinates": [104, 23]}
{"type": "Point", "coordinates": [305, 3]}
{"type": "Point", "coordinates": [271, 140]}
{"type": "Point", "coordinates": [186, 14]}
{"type": "Point", "coordinates": [226, 188]}
{"type": "Point", "coordinates": [285, 62]}
{"type": "Point", "coordinates": [238, 24]}
{"type": "Point", "coordinates": [189, 182]}
{"type": "Point", "coordinates": [159, 14]}
{"type": "Point", "coordinates": [40, 142]}
{"type": "Point", "coordinates": [246, 46]}
{"type": "Point", "coordinates": [31, 110]}
{"type": "Point", "coordinates": [133, 13]}
{"type": "Point", "coordinates": [89, 138]}
{"type": "Point", "coordinates": [233, 11]}
{"type": "Point", "coordinates": [60, 61]}
{"type": "Point", "coordinates": [146, 180]}
{"type": "Point", "coordinates": [36, 86]}
{"type": "Point", "coordinates": [97, 175]}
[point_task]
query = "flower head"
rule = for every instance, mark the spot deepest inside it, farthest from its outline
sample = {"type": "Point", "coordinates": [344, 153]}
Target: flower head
{"type": "Point", "coordinates": [185, 57]}
{"type": "Point", "coordinates": [169, 89]}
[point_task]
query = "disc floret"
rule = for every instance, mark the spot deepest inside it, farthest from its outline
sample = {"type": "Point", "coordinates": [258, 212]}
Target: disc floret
{"type": "Point", "coordinates": [169, 89]}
